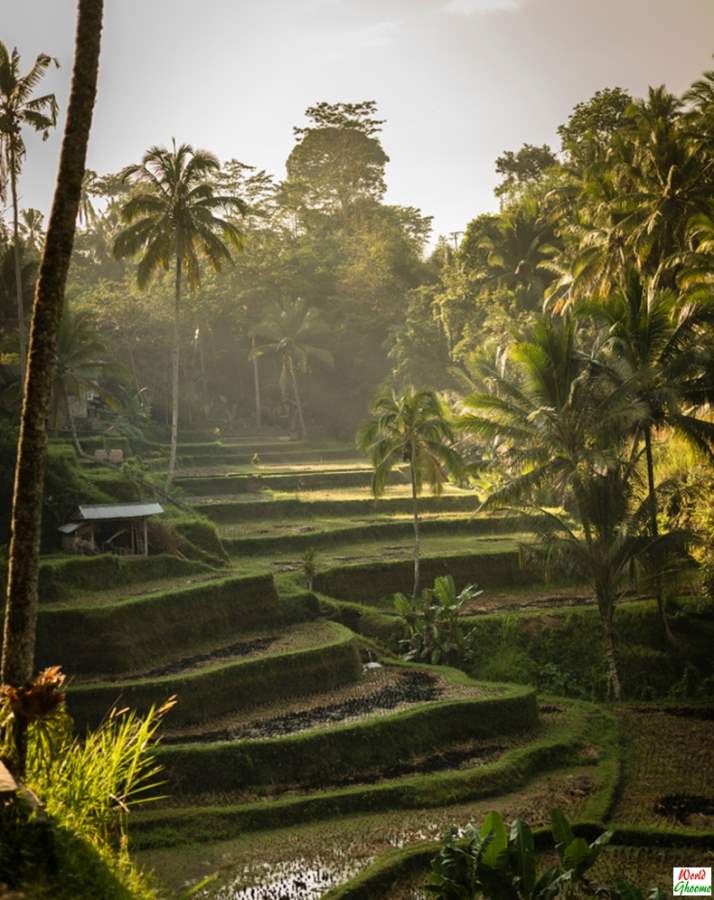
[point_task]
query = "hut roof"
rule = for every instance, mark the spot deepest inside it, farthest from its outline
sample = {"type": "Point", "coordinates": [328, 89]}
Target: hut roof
{"type": "Point", "coordinates": [97, 511]}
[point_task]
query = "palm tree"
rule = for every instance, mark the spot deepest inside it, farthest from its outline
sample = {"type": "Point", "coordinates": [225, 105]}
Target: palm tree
{"type": "Point", "coordinates": [87, 213]}
{"type": "Point", "coordinates": [664, 183]}
{"type": "Point", "coordinates": [290, 331]}
{"type": "Point", "coordinates": [8, 283]}
{"type": "Point", "coordinates": [553, 423]}
{"type": "Point", "coordinates": [174, 215]}
{"type": "Point", "coordinates": [21, 599]}
{"type": "Point", "coordinates": [667, 361]}
{"type": "Point", "coordinates": [31, 227]}
{"type": "Point", "coordinates": [515, 244]}
{"type": "Point", "coordinates": [615, 543]}
{"type": "Point", "coordinates": [81, 358]}
{"type": "Point", "coordinates": [412, 428]}
{"type": "Point", "coordinates": [19, 108]}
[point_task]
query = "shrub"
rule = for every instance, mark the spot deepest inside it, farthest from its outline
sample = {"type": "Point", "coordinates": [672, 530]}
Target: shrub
{"type": "Point", "coordinates": [432, 623]}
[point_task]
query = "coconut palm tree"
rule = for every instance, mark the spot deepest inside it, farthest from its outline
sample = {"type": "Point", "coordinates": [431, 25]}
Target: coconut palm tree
{"type": "Point", "coordinates": [31, 228]}
{"type": "Point", "coordinates": [292, 331]}
{"type": "Point", "coordinates": [668, 363]}
{"type": "Point", "coordinates": [18, 109]}
{"type": "Point", "coordinates": [410, 428]}
{"type": "Point", "coordinates": [87, 213]}
{"type": "Point", "coordinates": [554, 421]}
{"type": "Point", "coordinates": [174, 215]}
{"type": "Point", "coordinates": [615, 545]}
{"type": "Point", "coordinates": [21, 598]}
{"type": "Point", "coordinates": [664, 183]}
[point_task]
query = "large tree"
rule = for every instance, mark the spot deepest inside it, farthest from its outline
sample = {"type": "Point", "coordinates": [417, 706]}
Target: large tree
{"type": "Point", "coordinates": [174, 215]}
{"type": "Point", "coordinates": [410, 428]}
{"type": "Point", "coordinates": [338, 159]}
{"type": "Point", "coordinates": [21, 602]}
{"type": "Point", "coordinates": [20, 109]}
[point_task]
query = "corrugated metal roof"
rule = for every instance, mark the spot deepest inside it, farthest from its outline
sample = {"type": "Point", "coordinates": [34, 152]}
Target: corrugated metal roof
{"type": "Point", "coordinates": [94, 511]}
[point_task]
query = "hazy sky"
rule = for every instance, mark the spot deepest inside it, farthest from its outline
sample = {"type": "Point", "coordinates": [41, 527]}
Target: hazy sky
{"type": "Point", "coordinates": [458, 81]}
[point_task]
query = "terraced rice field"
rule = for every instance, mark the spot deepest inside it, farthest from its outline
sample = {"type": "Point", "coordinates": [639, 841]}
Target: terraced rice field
{"type": "Point", "coordinates": [300, 749]}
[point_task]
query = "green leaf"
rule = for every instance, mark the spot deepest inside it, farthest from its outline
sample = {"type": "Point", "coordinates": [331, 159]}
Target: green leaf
{"type": "Point", "coordinates": [495, 854]}
{"type": "Point", "coordinates": [523, 855]}
{"type": "Point", "coordinates": [402, 605]}
{"type": "Point", "coordinates": [561, 830]}
{"type": "Point", "coordinates": [576, 854]}
{"type": "Point", "coordinates": [445, 590]}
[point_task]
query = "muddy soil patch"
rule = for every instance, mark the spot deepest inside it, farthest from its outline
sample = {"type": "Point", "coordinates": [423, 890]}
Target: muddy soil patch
{"type": "Point", "coordinates": [683, 806]}
{"type": "Point", "coordinates": [239, 648]}
{"type": "Point", "coordinates": [410, 687]}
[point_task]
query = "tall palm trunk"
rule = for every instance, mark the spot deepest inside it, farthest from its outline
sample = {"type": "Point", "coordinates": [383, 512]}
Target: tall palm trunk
{"type": "Point", "coordinates": [18, 265]}
{"type": "Point", "coordinates": [605, 601]}
{"type": "Point", "coordinates": [654, 531]}
{"type": "Point", "coordinates": [133, 369]}
{"type": "Point", "coordinates": [296, 395]}
{"type": "Point", "coordinates": [21, 604]}
{"type": "Point", "coordinates": [204, 377]}
{"type": "Point", "coordinates": [175, 354]}
{"type": "Point", "coordinates": [415, 518]}
{"type": "Point", "coordinates": [256, 384]}
{"type": "Point", "coordinates": [607, 615]}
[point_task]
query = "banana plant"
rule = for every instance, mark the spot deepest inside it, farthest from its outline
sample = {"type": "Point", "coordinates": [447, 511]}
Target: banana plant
{"type": "Point", "coordinates": [496, 863]}
{"type": "Point", "coordinates": [432, 622]}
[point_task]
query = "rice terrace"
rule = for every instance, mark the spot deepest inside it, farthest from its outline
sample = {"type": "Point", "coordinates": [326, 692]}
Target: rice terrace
{"type": "Point", "coordinates": [349, 550]}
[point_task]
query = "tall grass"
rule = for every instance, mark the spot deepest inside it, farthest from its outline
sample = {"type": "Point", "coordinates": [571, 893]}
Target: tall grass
{"type": "Point", "coordinates": [85, 786]}
{"type": "Point", "coordinates": [91, 784]}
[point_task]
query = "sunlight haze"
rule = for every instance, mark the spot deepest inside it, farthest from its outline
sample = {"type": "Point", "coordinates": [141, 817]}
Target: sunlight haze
{"type": "Point", "coordinates": [461, 80]}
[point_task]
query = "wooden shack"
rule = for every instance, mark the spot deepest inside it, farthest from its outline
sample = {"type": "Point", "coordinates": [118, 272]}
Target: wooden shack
{"type": "Point", "coordinates": [110, 528]}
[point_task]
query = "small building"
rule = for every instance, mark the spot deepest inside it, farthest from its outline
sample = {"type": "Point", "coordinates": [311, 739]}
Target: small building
{"type": "Point", "coordinates": [110, 528]}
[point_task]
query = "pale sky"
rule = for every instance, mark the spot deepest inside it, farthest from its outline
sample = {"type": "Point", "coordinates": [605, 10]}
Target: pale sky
{"type": "Point", "coordinates": [458, 81]}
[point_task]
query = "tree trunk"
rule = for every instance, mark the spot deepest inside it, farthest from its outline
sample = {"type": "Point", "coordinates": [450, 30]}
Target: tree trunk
{"type": "Point", "coordinates": [132, 366]}
{"type": "Point", "coordinates": [607, 614]}
{"type": "Point", "coordinates": [70, 420]}
{"type": "Point", "coordinates": [175, 351]}
{"type": "Point", "coordinates": [654, 531]}
{"type": "Point", "coordinates": [256, 383]}
{"type": "Point", "coordinates": [21, 604]}
{"type": "Point", "coordinates": [204, 378]}
{"type": "Point", "coordinates": [296, 395]}
{"type": "Point", "coordinates": [18, 267]}
{"type": "Point", "coordinates": [605, 602]}
{"type": "Point", "coordinates": [415, 516]}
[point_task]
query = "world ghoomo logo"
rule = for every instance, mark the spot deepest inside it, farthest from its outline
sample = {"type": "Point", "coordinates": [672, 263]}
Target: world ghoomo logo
{"type": "Point", "coordinates": [695, 881]}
